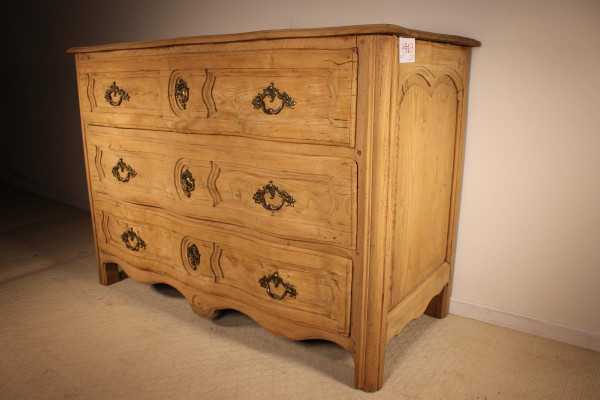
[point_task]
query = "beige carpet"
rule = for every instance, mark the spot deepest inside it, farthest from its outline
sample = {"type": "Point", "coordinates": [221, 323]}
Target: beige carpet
{"type": "Point", "coordinates": [64, 336]}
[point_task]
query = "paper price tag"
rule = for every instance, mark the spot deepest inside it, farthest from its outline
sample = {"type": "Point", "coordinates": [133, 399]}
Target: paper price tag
{"type": "Point", "coordinates": [407, 50]}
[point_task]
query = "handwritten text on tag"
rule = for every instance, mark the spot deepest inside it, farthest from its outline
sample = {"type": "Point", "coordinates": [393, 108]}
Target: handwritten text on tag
{"type": "Point", "coordinates": [406, 50]}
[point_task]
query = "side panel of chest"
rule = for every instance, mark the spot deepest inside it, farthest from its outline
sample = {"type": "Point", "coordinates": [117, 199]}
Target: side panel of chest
{"type": "Point", "coordinates": [426, 163]}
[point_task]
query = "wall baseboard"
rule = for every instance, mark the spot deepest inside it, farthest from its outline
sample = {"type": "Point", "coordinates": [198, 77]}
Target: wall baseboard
{"type": "Point", "coordinates": [523, 323]}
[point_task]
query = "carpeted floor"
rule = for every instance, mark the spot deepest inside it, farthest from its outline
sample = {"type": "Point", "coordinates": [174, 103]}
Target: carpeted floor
{"type": "Point", "coordinates": [64, 336]}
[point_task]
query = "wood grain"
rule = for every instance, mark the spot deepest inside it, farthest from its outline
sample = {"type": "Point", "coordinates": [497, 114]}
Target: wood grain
{"type": "Point", "coordinates": [414, 305]}
{"type": "Point", "coordinates": [381, 29]}
{"type": "Point", "coordinates": [428, 108]}
{"type": "Point", "coordinates": [106, 275]}
{"type": "Point", "coordinates": [226, 180]}
{"type": "Point", "coordinates": [318, 43]}
{"type": "Point", "coordinates": [232, 266]}
{"type": "Point", "coordinates": [429, 151]}
{"type": "Point", "coordinates": [372, 154]}
{"type": "Point", "coordinates": [443, 300]}
{"type": "Point", "coordinates": [379, 55]}
{"type": "Point", "coordinates": [205, 304]}
{"type": "Point", "coordinates": [222, 86]}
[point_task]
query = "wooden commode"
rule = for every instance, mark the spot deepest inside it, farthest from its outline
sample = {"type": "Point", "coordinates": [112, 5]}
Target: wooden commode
{"type": "Point", "coordinates": [303, 177]}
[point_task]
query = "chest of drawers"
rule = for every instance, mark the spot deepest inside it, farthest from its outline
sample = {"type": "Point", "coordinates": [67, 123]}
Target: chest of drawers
{"type": "Point", "coordinates": [303, 177]}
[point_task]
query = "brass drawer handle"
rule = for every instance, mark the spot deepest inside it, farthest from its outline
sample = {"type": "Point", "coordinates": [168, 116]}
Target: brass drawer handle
{"type": "Point", "coordinates": [193, 256]}
{"type": "Point", "coordinates": [272, 190]}
{"type": "Point", "coordinates": [188, 183]}
{"type": "Point", "coordinates": [271, 92]}
{"type": "Point", "coordinates": [112, 92]}
{"type": "Point", "coordinates": [274, 277]}
{"type": "Point", "coordinates": [121, 166]}
{"type": "Point", "coordinates": [130, 236]}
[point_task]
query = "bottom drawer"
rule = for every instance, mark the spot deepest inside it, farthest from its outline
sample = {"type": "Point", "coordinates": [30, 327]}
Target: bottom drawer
{"type": "Point", "coordinates": [300, 285]}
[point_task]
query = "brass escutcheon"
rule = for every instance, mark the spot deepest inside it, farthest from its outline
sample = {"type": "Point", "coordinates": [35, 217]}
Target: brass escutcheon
{"type": "Point", "coordinates": [188, 183]}
{"type": "Point", "coordinates": [130, 236]}
{"type": "Point", "coordinates": [182, 93]}
{"type": "Point", "coordinates": [274, 277]}
{"type": "Point", "coordinates": [193, 255]}
{"type": "Point", "coordinates": [121, 166]}
{"type": "Point", "coordinates": [114, 91]}
{"type": "Point", "coordinates": [272, 190]}
{"type": "Point", "coordinates": [271, 92]}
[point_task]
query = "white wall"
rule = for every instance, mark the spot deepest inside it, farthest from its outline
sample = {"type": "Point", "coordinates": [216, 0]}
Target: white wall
{"type": "Point", "coordinates": [529, 242]}
{"type": "Point", "coordinates": [529, 233]}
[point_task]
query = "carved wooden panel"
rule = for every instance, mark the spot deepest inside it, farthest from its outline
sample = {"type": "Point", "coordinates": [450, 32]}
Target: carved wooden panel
{"type": "Point", "coordinates": [303, 177]}
{"type": "Point", "coordinates": [219, 90]}
{"type": "Point", "coordinates": [429, 120]}
{"type": "Point", "coordinates": [226, 181]}
{"type": "Point", "coordinates": [233, 265]}
{"type": "Point", "coordinates": [322, 97]}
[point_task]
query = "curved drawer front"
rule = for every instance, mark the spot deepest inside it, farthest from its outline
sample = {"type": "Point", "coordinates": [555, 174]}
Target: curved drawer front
{"type": "Point", "coordinates": [303, 286]}
{"type": "Point", "coordinates": [293, 196]}
{"type": "Point", "coordinates": [295, 95]}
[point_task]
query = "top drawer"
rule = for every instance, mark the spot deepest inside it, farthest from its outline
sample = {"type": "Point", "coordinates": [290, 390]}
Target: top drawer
{"type": "Point", "coordinates": [292, 95]}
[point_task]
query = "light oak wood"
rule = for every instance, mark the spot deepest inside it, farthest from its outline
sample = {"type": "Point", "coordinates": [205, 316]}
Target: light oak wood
{"type": "Point", "coordinates": [107, 274]}
{"type": "Point", "coordinates": [226, 178]}
{"type": "Point", "coordinates": [374, 29]}
{"type": "Point", "coordinates": [426, 145]}
{"type": "Point", "coordinates": [230, 266]}
{"type": "Point", "coordinates": [439, 304]}
{"type": "Point", "coordinates": [376, 82]}
{"type": "Point", "coordinates": [372, 154]}
{"type": "Point", "coordinates": [222, 86]}
{"type": "Point", "coordinates": [414, 305]}
{"type": "Point", "coordinates": [318, 43]}
{"type": "Point", "coordinates": [199, 301]}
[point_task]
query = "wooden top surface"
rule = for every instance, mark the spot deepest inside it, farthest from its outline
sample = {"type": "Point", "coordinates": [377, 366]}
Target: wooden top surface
{"type": "Point", "coordinates": [379, 29]}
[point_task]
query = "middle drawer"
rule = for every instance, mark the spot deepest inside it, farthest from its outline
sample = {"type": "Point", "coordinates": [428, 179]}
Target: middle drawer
{"type": "Point", "coordinates": [293, 196]}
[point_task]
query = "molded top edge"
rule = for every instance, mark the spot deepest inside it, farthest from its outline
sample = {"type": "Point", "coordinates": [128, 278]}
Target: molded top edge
{"type": "Point", "coordinates": [377, 29]}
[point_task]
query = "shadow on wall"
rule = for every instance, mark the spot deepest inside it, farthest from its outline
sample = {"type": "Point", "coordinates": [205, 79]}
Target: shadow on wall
{"type": "Point", "coordinates": [42, 150]}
